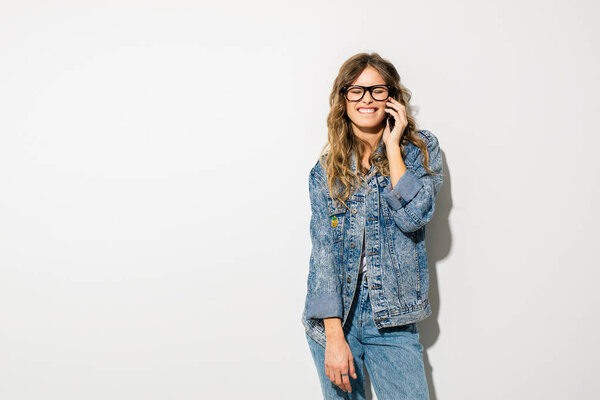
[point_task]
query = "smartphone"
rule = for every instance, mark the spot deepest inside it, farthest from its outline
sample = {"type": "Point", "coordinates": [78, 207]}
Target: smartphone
{"type": "Point", "coordinates": [391, 121]}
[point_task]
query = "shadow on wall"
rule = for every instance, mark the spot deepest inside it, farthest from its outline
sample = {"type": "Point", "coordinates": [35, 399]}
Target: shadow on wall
{"type": "Point", "coordinates": [438, 240]}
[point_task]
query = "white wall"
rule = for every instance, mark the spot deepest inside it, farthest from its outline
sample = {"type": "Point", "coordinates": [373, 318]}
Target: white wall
{"type": "Point", "coordinates": [154, 161]}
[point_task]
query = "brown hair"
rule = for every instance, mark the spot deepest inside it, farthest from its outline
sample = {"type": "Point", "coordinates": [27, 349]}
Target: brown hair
{"type": "Point", "coordinates": [341, 142]}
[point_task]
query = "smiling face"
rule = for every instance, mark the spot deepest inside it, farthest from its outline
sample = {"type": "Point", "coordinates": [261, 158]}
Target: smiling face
{"type": "Point", "coordinates": [367, 115]}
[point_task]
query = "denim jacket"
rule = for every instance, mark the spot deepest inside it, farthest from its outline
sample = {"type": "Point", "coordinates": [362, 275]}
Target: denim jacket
{"type": "Point", "coordinates": [393, 222]}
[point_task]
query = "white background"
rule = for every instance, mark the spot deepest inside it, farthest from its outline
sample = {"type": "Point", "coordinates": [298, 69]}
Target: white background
{"type": "Point", "coordinates": [154, 212]}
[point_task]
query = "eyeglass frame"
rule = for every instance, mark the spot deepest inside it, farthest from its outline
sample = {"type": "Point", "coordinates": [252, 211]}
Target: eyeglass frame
{"type": "Point", "coordinates": [344, 91]}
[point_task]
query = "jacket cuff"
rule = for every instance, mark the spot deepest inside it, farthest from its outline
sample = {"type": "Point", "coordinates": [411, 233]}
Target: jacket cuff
{"type": "Point", "coordinates": [325, 306]}
{"type": "Point", "coordinates": [404, 190]}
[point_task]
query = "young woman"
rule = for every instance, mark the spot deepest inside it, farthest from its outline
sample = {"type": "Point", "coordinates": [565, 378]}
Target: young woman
{"type": "Point", "coordinates": [371, 194]}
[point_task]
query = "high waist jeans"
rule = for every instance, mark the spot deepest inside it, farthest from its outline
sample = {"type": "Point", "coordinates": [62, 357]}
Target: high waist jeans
{"type": "Point", "coordinates": [393, 356]}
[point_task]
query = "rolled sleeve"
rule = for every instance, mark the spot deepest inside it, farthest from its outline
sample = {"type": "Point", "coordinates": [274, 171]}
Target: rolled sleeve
{"type": "Point", "coordinates": [325, 306]}
{"type": "Point", "coordinates": [403, 191]}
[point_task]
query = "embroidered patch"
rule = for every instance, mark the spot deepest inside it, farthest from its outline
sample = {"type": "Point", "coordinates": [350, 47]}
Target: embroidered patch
{"type": "Point", "coordinates": [334, 221]}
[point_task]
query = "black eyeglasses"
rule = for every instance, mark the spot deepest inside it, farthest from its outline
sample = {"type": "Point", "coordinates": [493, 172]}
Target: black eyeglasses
{"type": "Point", "coordinates": [378, 92]}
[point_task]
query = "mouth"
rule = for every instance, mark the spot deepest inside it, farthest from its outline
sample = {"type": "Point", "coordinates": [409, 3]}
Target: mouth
{"type": "Point", "coordinates": [366, 110]}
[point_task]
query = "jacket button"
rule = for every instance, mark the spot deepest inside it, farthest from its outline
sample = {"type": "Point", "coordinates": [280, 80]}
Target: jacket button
{"type": "Point", "coordinates": [353, 211]}
{"type": "Point", "coordinates": [352, 245]}
{"type": "Point", "coordinates": [349, 280]}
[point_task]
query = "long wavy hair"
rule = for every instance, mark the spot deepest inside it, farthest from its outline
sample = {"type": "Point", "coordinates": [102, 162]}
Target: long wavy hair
{"type": "Point", "coordinates": [341, 141]}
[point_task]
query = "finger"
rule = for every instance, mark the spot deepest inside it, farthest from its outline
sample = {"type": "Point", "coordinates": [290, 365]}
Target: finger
{"type": "Point", "coordinates": [398, 116]}
{"type": "Point", "coordinates": [390, 110]}
{"type": "Point", "coordinates": [346, 382]}
{"type": "Point", "coordinates": [352, 370]}
{"type": "Point", "coordinates": [399, 110]}
{"type": "Point", "coordinates": [400, 122]}
{"type": "Point", "coordinates": [392, 104]}
{"type": "Point", "coordinates": [338, 379]}
{"type": "Point", "coordinates": [394, 113]}
{"type": "Point", "coordinates": [394, 101]}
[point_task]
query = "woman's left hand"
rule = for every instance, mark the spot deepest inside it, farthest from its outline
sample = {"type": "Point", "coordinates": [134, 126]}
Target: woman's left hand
{"type": "Point", "coordinates": [398, 112]}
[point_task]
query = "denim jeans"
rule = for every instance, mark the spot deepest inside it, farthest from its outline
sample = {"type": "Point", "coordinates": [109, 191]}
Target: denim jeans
{"type": "Point", "coordinates": [393, 356]}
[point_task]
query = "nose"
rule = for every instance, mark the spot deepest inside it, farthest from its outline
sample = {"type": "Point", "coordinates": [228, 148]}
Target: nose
{"type": "Point", "coordinates": [367, 97]}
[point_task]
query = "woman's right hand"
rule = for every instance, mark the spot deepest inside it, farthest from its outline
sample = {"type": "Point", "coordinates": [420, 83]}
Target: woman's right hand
{"type": "Point", "coordinates": [339, 362]}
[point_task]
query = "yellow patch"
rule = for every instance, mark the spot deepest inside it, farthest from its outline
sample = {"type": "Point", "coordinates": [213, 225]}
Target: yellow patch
{"type": "Point", "coordinates": [334, 221]}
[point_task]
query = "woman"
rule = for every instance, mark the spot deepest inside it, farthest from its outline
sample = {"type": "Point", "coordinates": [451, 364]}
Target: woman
{"type": "Point", "coordinates": [371, 195]}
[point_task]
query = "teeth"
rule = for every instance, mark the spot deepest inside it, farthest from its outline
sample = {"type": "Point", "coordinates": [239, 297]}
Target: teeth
{"type": "Point", "coordinates": [366, 111]}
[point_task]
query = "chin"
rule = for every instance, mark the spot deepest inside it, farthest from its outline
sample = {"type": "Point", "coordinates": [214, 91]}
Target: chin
{"type": "Point", "coordinates": [372, 125]}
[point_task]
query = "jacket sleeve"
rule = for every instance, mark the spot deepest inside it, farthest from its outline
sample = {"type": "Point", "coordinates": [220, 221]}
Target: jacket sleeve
{"type": "Point", "coordinates": [324, 294]}
{"type": "Point", "coordinates": [412, 199]}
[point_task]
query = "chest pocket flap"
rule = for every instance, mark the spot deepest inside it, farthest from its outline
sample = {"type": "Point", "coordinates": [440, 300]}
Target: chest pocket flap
{"type": "Point", "coordinates": [337, 215]}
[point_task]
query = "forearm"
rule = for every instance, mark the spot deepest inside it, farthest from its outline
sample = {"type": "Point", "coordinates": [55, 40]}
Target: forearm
{"type": "Point", "coordinates": [397, 165]}
{"type": "Point", "coordinates": [333, 328]}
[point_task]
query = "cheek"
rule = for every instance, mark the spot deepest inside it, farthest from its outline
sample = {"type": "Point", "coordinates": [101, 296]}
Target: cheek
{"type": "Point", "coordinates": [351, 113]}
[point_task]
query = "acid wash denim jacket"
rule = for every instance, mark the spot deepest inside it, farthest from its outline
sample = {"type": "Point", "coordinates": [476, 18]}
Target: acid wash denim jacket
{"type": "Point", "coordinates": [393, 221]}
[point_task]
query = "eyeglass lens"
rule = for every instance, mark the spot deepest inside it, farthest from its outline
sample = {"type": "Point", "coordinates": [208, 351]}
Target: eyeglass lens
{"type": "Point", "coordinates": [354, 93]}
